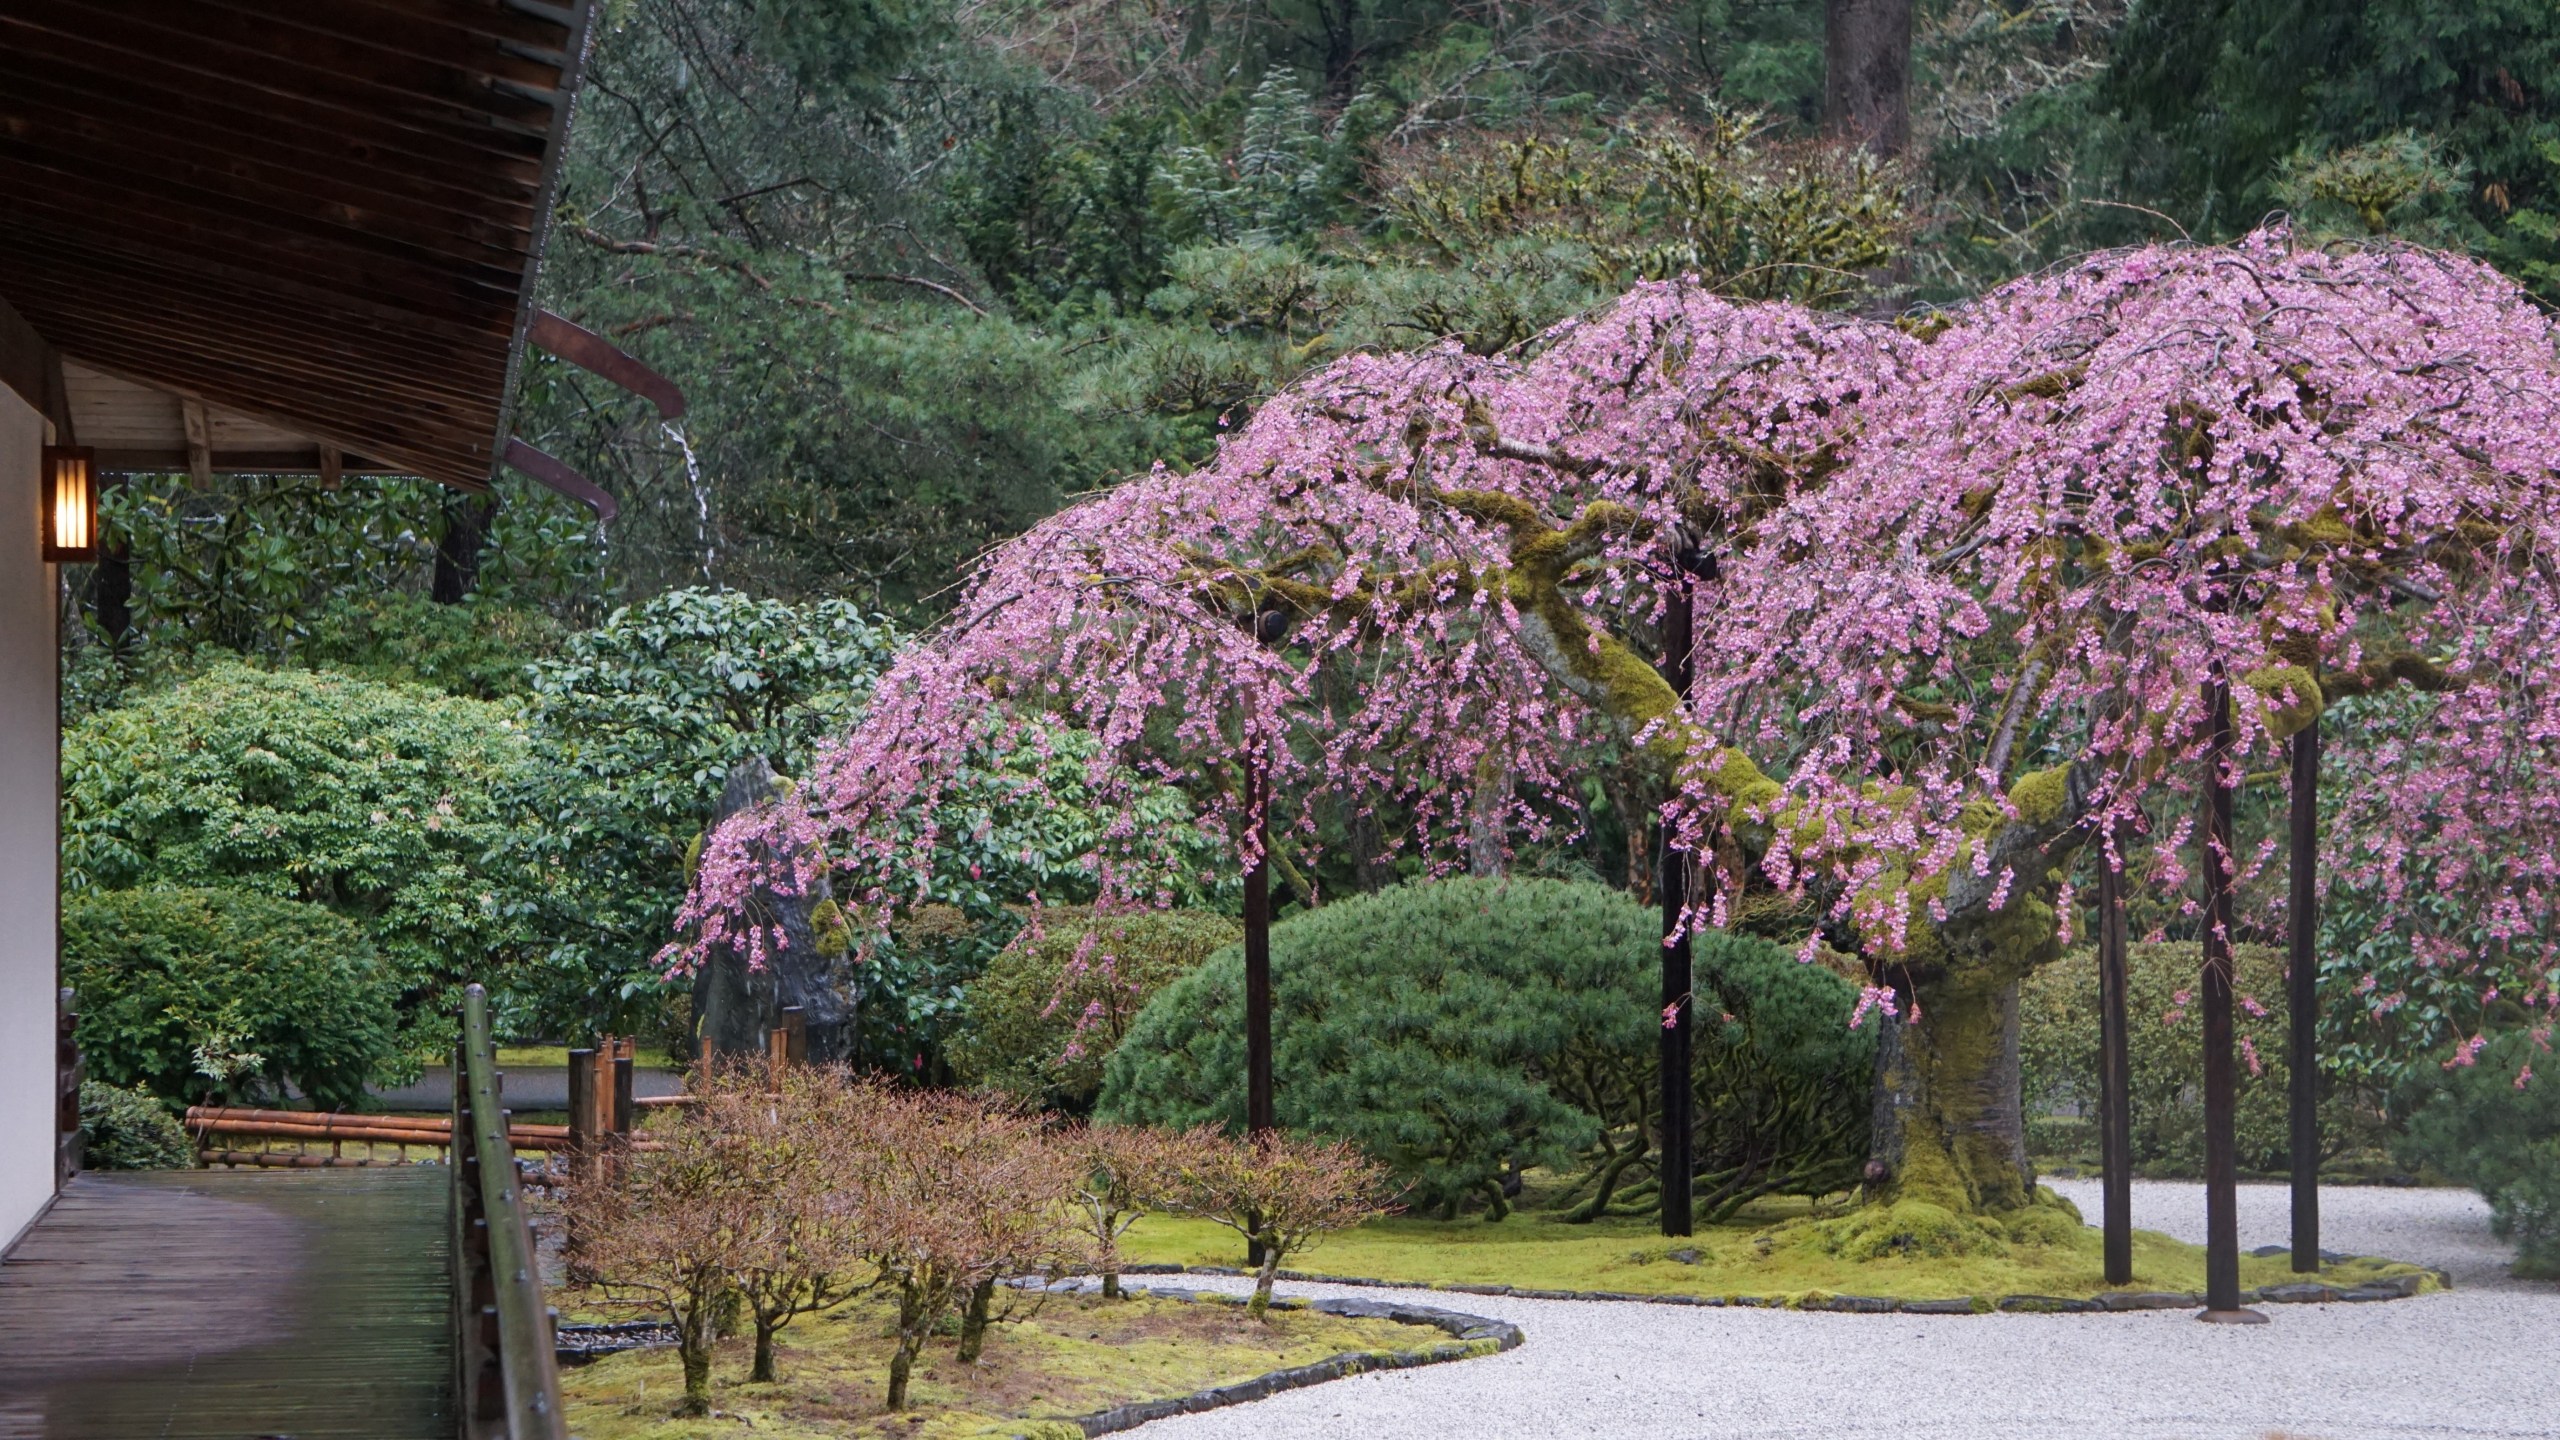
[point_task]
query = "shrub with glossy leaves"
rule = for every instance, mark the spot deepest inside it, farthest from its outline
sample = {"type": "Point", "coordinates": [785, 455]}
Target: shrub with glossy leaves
{"type": "Point", "coordinates": [382, 803]}
{"type": "Point", "coordinates": [225, 996]}
{"type": "Point", "coordinates": [123, 1128]}
{"type": "Point", "coordinates": [1051, 1006]}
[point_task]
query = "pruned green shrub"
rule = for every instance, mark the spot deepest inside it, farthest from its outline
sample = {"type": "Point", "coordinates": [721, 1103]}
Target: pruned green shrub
{"type": "Point", "coordinates": [127, 1129]}
{"type": "Point", "coordinates": [220, 995]}
{"type": "Point", "coordinates": [2058, 1053]}
{"type": "Point", "coordinates": [1052, 1006]}
{"type": "Point", "coordinates": [1462, 1031]}
{"type": "Point", "coordinates": [2494, 1125]}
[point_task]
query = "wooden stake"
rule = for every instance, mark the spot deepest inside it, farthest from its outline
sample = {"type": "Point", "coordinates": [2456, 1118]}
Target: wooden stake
{"type": "Point", "coordinates": [2302, 997]}
{"type": "Point", "coordinates": [199, 428]}
{"type": "Point", "coordinates": [2115, 1075]}
{"type": "Point", "coordinates": [1677, 1036]}
{"type": "Point", "coordinates": [2221, 1140]}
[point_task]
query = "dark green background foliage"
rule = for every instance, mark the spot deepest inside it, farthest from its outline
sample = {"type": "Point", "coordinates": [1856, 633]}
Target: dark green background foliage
{"type": "Point", "coordinates": [2488, 1126]}
{"type": "Point", "coordinates": [128, 1129]}
{"type": "Point", "coordinates": [2058, 1045]}
{"type": "Point", "coordinates": [225, 996]}
{"type": "Point", "coordinates": [1461, 1030]}
{"type": "Point", "coordinates": [1049, 1011]}
{"type": "Point", "coordinates": [382, 803]}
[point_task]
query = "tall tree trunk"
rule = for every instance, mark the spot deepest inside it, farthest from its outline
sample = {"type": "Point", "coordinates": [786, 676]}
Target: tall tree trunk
{"type": "Point", "coordinates": [1948, 1124]}
{"type": "Point", "coordinates": [458, 550]}
{"type": "Point", "coordinates": [1866, 87]}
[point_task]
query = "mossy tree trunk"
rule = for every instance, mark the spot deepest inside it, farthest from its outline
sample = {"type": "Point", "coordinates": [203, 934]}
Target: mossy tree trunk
{"type": "Point", "coordinates": [973, 1322]}
{"type": "Point", "coordinates": [697, 1378]}
{"type": "Point", "coordinates": [1948, 1123]}
{"type": "Point", "coordinates": [1947, 1110]}
{"type": "Point", "coordinates": [763, 1371]}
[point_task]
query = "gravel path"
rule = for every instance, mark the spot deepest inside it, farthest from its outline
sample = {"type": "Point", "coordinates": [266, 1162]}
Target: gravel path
{"type": "Point", "coordinates": [2471, 1363]}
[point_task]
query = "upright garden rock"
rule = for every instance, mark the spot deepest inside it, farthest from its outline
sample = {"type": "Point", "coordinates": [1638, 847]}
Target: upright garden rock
{"type": "Point", "coordinates": [737, 1002]}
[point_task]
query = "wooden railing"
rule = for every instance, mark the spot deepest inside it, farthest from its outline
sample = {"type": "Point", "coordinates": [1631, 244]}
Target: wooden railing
{"type": "Point", "coordinates": [506, 1374]}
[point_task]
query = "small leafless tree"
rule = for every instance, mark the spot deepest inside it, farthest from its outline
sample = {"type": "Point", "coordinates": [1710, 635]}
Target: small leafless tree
{"type": "Point", "coordinates": [800, 1248]}
{"type": "Point", "coordinates": [956, 1197]}
{"type": "Point", "coordinates": [664, 1230]}
{"type": "Point", "coordinates": [1122, 1172]}
{"type": "Point", "coordinates": [1277, 1191]}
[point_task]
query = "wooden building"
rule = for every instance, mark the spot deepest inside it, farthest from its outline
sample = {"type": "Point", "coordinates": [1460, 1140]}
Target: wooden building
{"type": "Point", "coordinates": [249, 235]}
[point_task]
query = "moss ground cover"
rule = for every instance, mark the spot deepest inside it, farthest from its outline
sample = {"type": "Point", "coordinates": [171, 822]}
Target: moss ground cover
{"type": "Point", "coordinates": [1071, 1355]}
{"type": "Point", "coordinates": [1910, 1252]}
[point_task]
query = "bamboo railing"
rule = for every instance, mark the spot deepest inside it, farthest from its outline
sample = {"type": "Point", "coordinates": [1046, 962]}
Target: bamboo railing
{"type": "Point", "coordinates": [506, 1374]}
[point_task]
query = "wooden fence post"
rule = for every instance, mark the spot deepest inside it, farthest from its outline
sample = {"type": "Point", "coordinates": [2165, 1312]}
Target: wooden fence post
{"type": "Point", "coordinates": [582, 1114]}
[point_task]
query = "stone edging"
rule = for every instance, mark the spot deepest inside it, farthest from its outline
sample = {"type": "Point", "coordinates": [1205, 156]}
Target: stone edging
{"type": "Point", "coordinates": [2390, 1287]}
{"type": "Point", "coordinates": [1472, 1335]}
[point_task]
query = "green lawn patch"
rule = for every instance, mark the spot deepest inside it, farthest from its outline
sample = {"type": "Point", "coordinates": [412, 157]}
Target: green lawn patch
{"type": "Point", "coordinates": [1072, 1355]}
{"type": "Point", "coordinates": [1772, 1250]}
{"type": "Point", "coordinates": [556, 1057]}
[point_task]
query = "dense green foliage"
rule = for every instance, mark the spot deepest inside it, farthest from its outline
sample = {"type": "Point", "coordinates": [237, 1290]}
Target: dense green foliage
{"type": "Point", "coordinates": [1024, 829]}
{"type": "Point", "coordinates": [1462, 1031]}
{"type": "Point", "coordinates": [1053, 1005]}
{"type": "Point", "coordinates": [2494, 1124]}
{"type": "Point", "coordinates": [2058, 1044]}
{"type": "Point", "coordinates": [383, 803]}
{"type": "Point", "coordinates": [635, 725]}
{"type": "Point", "coordinates": [123, 1128]}
{"type": "Point", "coordinates": [225, 996]}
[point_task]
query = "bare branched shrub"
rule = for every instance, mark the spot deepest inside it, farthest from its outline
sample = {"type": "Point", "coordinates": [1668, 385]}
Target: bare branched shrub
{"type": "Point", "coordinates": [664, 1229]}
{"type": "Point", "coordinates": [1276, 1191]}
{"type": "Point", "coordinates": [1122, 1172]}
{"type": "Point", "coordinates": [799, 1249]}
{"type": "Point", "coordinates": [956, 1197]}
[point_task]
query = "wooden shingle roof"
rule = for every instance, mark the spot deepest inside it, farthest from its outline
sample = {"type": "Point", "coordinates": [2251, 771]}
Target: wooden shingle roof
{"type": "Point", "coordinates": [321, 216]}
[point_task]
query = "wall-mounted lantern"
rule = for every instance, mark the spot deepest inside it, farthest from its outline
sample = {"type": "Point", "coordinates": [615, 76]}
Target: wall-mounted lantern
{"type": "Point", "coordinates": [70, 504]}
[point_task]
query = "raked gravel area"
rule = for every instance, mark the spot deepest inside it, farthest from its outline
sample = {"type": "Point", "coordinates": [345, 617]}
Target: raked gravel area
{"type": "Point", "coordinates": [2477, 1361]}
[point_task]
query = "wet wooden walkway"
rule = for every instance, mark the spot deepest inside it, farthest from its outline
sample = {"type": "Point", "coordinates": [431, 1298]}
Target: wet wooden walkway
{"type": "Point", "coordinates": [204, 1305]}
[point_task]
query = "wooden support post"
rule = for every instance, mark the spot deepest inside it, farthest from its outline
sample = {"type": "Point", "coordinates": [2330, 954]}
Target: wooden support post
{"type": "Point", "coordinates": [622, 1107]}
{"type": "Point", "coordinates": [2221, 1139]}
{"type": "Point", "coordinates": [1260, 1105]}
{"type": "Point", "coordinates": [777, 1053]}
{"type": "Point", "coordinates": [1676, 1035]}
{"type": "Point", "coordinates": [795, 1034]}
{"type": "Point", "coordinates": [2302, 998]}
{"type": "Point", "coordinates": [2115, 1075]}
{"type": "Point", "coordinates": [199, 431]}
{"type": "Point", "coordinates": [582, 1114]}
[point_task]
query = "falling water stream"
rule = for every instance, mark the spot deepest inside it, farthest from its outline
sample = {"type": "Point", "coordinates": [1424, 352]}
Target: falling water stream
{"type": "Point", "coordinates": [701, 500]}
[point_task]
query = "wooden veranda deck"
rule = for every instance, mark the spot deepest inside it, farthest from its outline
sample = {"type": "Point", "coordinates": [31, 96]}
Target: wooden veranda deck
{"type": "Point", "coordinates": [201, 1305]}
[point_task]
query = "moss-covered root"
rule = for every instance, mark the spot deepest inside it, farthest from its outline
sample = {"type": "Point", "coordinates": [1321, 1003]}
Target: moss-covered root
{"type": "Point", "coordinates": [1917, 1229]}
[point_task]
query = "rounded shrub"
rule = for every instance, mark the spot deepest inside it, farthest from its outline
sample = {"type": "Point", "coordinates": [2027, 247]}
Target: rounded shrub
{"type": "Point", "coordinates": [2494, 1124]}
{"type": "Point", "coordinates": [1462, 1031]}
{"type": "Point", "coordinates": [221, 995]}
{"type": "Point", "coordinates": [1053, 1005]}
{"type": "Point", "coordinates": [2058, 1056]}
{"type": "Point", "coordinates": [127, 1129]}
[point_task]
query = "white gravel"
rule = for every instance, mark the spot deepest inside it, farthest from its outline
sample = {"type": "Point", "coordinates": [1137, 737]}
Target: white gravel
{"type": "Point", "coordinates": [2475, 1362]}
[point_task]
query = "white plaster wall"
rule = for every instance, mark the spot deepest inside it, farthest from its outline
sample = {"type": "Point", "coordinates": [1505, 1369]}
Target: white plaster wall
{"type": "Point", "coordinates": [30, 854]}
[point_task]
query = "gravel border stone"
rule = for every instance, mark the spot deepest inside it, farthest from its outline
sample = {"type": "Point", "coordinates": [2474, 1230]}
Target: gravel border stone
{"type": "Point", "coordinates": [2389, 1287]}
